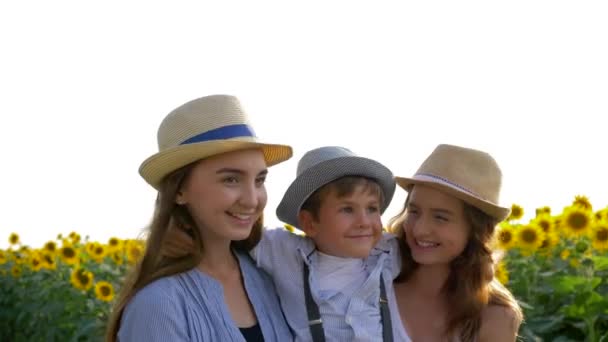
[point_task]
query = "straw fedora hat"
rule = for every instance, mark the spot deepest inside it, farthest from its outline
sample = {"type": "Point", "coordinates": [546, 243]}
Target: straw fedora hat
{"type": "Point", "coordinates": [324, 165]}
{"type": "Point", "coordinates": [201, 128]}
{"type": "Point", "coordinates": [470, 175]}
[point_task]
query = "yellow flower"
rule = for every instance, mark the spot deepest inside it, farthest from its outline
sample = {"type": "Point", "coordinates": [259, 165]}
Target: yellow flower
{"type": "Point", "coordinates": [118, 257]}
{"type": "Point", "coordinates": [517, 212]}
{"type": "Point", "coordinates": [50, 247]}
{"type": "Point", "coordinates": [48, 261]}
{"type": "Point", "coordinates": [13, 239]}
{"type": "Point", "coordinates": [564, 254]}
{"type": "Point", "coordinates": [16, 271]}
{"type": "Point", "coordinates": [599, 237]}
{"type": "Point", "coordinates": [68, 255]}
{"type": "Point", "coordinates": [543, 210]}
{"type": "Point", "coordinates": [544, 221]}
{"type": "Point", "coordinates": [3, 257]}
{"type": "Point", "coordinates": [35, 262]}
{"type": "Point", "coordinates": [98, 253]}
{"type": "Point", "coordinates": [582, 202]}
{"type": "Point", "coordinates": [529, 237]}
{"type": "Point", "coordinates": [501, 273]}
{"type": "Point", "coordinates": [114, 244]}
{"type": "Point", "coordinates": [505, 237]}
{"type": "Point", "coordinates": [134, 252]}
{"type": "Point", "coordinates": [75, 238]}
{"type": "Point", "coordinates": [290, 228]}
{"type": "Point", "coordinates": [104, 291]}
{"type": "Point", "coordinates": [81, 279]}
{"type": "Point", "coordinates": [576, 221]}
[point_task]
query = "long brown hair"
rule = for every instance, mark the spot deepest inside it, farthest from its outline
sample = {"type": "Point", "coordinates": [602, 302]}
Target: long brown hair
{"type": "Point", "coordinates": [470, 286]}
{"type": "Point", "coordinates": [172, 229]}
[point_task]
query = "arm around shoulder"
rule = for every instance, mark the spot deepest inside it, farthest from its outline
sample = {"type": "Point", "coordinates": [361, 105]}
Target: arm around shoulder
{"type": "Point", "coordinates": [498, 324]}
{"type": "Point", "coordinates": [153, 315]}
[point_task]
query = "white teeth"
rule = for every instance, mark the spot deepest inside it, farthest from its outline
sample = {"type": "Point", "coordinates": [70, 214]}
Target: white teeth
{"type": "Point", "coordinates": [242, 216]}
{"type": "Point", "coordinates": [426, 243]}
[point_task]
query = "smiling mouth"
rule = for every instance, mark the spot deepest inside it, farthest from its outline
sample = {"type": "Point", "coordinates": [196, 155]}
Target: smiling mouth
{"type": "Point", "coordinates": [241, 217]}
{"type": "Point", "coordinates": [426, 244]}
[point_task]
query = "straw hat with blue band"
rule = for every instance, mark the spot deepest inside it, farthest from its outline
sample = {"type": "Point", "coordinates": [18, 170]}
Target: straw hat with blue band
{"type": "Point", "coordinates": [202, 128]}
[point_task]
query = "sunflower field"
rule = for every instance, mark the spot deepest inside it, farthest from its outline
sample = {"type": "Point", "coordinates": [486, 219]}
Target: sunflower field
{"type": "Point", "coordinates": [556, 265]}
{"type": "Point", "coordinates": [62, 291]}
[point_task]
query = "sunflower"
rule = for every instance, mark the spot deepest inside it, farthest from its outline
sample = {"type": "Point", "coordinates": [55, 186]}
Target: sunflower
{"type": "Point", "coordinates": [81, 279]}
{"type": "Point", "coordinates": [505, 237]}
{"type": "Point", "coordinates": [98, 252]}
{"type": "Point", "coordinates": [134, 252]}
{"type": "Point", "coordinates": [543, 210]}
{"type": "Point", "coordinates": [16, 271]}
{"type": "Point", "coordinates": [118, 257]}
{"type": "Point", "coordinates": [3, 257]}
{"type": "Point", "coordinates": [582, 202]}
{"type": "Point", "coordinates": [599, 237]}
{"type": "Point", "coordinates": [517, 212]}
{"type": "Point", "coordinates": [48, 261]}
{"type": "Point", "coordinates": [104, 291]}
{"type": "Point", "coordinates": [564, 254]}
{"type": "Point", "coordinates": [75, 238]}
{"type": "Point", "coordinates": [36, 263]}
{"type": "Point", "coordinates": [13, 239]}
{"type": "Point", "coordinates": [50, 247]}
{"type": "Point", "coordinates": [501, 273]}
{"type": "Point", "coordinates": [529, 237]}
{"type": "Point", "coordinates": [114, 243]}
{"type": "Point", "coordinates": [68, 255]}
{"type": "Point", "coordinates": [576, 221]}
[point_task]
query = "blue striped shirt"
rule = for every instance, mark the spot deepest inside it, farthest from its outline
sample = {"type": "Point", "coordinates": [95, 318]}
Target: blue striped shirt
{"type": "Point", "coordinates": [190, 307]}
{"type": "Point", "coordinates": [345, 318]}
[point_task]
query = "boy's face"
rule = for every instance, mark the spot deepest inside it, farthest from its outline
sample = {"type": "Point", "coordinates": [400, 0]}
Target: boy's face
{"type": "Point", "coordinates": [348, 226]}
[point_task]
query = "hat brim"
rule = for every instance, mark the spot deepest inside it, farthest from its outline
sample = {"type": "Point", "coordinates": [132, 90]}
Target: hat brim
{"type": "Point", "coordinates": [325, 172]}
{"type": "Point", "coordinates": [158, 166]}
{"type": "Point", "coordinates": [495, 211]}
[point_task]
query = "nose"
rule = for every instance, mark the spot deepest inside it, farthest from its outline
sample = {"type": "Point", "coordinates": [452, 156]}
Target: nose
{"type": "Point", "coordinates": [417, 225]}
{"type": "Point", "coordinates": [365, 219]}
{"type": "Point", "coordinates": [252, 196]}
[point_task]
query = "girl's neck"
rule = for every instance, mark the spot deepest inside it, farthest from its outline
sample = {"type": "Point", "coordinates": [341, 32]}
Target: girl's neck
{"type": "Point", "coordinates": [429, 280]}
{"type": "Point", "coordinates": [217, 259]}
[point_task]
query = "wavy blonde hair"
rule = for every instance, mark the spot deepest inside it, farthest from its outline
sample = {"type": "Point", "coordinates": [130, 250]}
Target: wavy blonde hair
{"type": "Point", "coordinates": [470, 286]}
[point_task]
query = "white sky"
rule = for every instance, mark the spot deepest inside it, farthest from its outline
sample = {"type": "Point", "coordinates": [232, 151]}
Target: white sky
{"type": "Point", "coordinates": [85, 84]}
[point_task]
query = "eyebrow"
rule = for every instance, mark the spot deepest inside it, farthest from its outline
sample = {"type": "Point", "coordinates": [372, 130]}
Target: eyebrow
{"type": "Point", "coordinates": [435, 210]}
{"type": "Point", "coordinates": [239, 171]}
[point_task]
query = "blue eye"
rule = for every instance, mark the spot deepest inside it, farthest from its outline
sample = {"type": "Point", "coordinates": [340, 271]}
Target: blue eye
{"type": "Point", "coordinates": [347, 209]}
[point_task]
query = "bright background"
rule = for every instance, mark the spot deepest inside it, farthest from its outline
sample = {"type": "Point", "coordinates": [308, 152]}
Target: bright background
{"type": "Point", "coordinates": [85, 84]}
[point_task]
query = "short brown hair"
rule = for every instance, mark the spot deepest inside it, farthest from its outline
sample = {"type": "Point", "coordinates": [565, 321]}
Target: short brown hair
{"type": "Point", "coordinates": [343, 186]}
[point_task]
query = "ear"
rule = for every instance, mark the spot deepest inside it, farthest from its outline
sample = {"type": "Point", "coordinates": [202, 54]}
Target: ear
{"type": "Point", "coordinates": [180, 199]}
{"type": "Point", "coordinates": [306, 223]}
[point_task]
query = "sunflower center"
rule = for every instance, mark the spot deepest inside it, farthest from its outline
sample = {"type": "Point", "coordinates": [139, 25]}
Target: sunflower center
{"type": "Point", "coordinates": [69, 253]}
{"type": "Point", "coordinates": [105, 291]}
{"type": "Point", "coordinates": [577, 221]}
{"type": "Point", "coordinates": [82, 278]}
{"type": "Point", "coordinates": [602, 235]}
{"type": "Point", "coordinates": [545, 225]}
{"type": "Point", "coordinates": [505, 237]}
{"type": "Point", "coordinates": [528, 236]}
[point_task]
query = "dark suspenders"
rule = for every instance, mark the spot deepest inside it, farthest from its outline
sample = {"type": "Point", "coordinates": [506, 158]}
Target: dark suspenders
{"type": "Point", "coordinates": [314, 317]}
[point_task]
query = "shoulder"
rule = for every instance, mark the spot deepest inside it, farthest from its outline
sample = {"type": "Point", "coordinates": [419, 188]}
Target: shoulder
{"type": "Point", "coordinates": [498, 323]}
{"type": "Point", "coordinates": [160, 295]}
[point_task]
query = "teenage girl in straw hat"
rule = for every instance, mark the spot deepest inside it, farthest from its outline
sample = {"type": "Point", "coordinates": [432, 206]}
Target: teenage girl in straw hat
{"type": "Point", "coordinates": [209, 173]}
{"type": "Point", "coordinates": [446, 290]}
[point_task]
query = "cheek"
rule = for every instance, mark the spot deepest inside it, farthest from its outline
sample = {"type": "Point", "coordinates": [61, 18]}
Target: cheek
{"type": "Point", "coordinates": [262, 197]}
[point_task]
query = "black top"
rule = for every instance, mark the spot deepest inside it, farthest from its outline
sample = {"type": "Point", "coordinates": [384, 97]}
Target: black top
{"type": "Point", "coordinates": [253, 333]}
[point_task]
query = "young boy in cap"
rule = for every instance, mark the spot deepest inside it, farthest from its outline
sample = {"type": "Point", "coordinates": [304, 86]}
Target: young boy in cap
{"type": "Point", "coordinates": [333, 282]}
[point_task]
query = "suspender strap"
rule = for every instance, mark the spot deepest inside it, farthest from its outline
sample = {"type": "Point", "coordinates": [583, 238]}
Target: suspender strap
{"type": "Point", "coordinates": [314, 317]}
{"type": "Point", "coordinates": [385, 314]}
